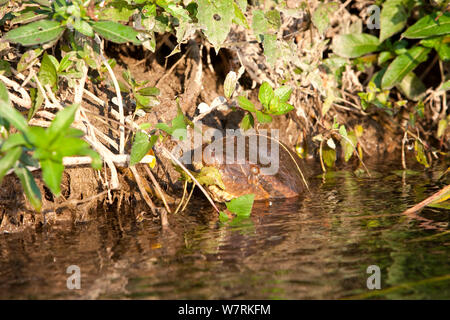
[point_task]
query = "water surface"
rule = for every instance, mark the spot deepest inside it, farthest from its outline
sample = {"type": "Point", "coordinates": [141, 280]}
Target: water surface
{"type": "Point", "coordinates": [315, 247]}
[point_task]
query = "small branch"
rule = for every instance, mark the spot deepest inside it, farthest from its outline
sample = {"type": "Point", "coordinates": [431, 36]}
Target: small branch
{"type": "Point", "coordinates": [25, 101]}
{"type": "Point", "coordinates": [119, 103]}
{"type": "Point", "coordinates": [428, 200]}
{"type": "Point", "coordinates": [158, 188]}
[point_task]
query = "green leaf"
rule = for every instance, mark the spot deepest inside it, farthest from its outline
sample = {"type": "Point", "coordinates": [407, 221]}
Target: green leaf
{"type": "Point", "coordinates": [247, 122]}
{"type": "Point", "coordinates": [348, 147]}
{"type": "Point", "coordinates": [259, 23]}
{"type": "Point", "coordinates": [265, 94]}
{"type": "Point", "coordinates": [402, 65]}
{"type": "Point", "coordinates": [411, 86]}
{"type": "Point", "coordinates": [223, 216]}
{"type": "Point", "coordinates": [116, 32]}
{"type": "Point", "coordinates": [84, 28]}
{"type": "Point", "coordinates": [10, 114]}
{"type": "Point", "coordinates": [355, 45]}
{"type": "Point", "coordinates": [62, 122]}
{"type": "Point", "coordinates": [149, 91]}
{"type": "Point", "coordinates": [246, 104]}
{"type": "Point", "coordinates": [263, 117]}
{"type": "Point", "coordinates": [384, 57]}
{"type": "Point", "coordinates": [216, 18]}
{"type": "Point", "coordinates": [14, 140]}
{"type": "Point", "coordinates": [52, 174]}
{"type": "Point", "coordinates": [66, 62]}
{"type": "Point", "coordinates": [178, 129]}
{"type": "Point", "coordinates": [274, 19]}
{"type": "Point", "coordinates": [9, 160]}
{"type": "Point", "coordinates": [239, 17]}
{"type": "Point", "coordinates": [35, 33]}
{"type": "Point", "coordinates": [283, 93]}
{"type": "Point", "coordinates": [321, 16]}
{"type": "Point", "coordinates": [271, 49]}
{"type": "Point", "coordinates": [429, 26]}
{"type": "Point", "coordinates": [420, 153]}
{"type": "Point", "coordinates": [28, 58]}
{"type": "Point", "coordinates": [393, 18]}
{"type": "Point", "coordinates": [241, 206]}
{"type": "Point", "coordinates": [283, 108]}
{"type": "Point", "coordinates": [141, 146]}
{"type": "Point", "coordinates": [29, 186]}
{"type": "Point", "coordinates": [48, 71]}
{"type": "Point", "coordinates": [329, 156]}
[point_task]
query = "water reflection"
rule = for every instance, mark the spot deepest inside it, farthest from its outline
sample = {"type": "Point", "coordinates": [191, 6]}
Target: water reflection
{"type": "Point", "coordinates": [315, 247]}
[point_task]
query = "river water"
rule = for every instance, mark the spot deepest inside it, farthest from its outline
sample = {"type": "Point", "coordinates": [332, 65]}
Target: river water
{"type": "Point", "coordinates": [318, 246]}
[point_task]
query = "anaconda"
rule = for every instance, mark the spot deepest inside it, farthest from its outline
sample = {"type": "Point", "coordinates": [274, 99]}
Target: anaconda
{"type": "Point", "coordinates": [270, 175]}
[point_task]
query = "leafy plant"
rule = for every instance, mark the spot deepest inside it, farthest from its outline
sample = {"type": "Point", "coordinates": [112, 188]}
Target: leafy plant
{"type": "Point", "coordinates": [273, 102]}
{"type": "Point", "coordinates": [144, 96]}
{"type": "Point", "coordinates": [33, 146]}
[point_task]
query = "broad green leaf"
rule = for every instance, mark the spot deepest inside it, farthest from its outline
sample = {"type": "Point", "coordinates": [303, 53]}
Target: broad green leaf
{"type": "Point", "coordinates": [9, 113]}
{"type": "Point", "coordinates": [411, 86]}
{"type": "Point", "coordinates": [28, 15]}
{"type": "Point", "coordinates": [84, 28]}
{"type": "Point", "coordinates": [282, 108]}
{"type": "Point", "coordinates": [274, 19]}
{"type": "Point", "coordinates": [48, 71]}
{"type": "Point", "coordinates": [329, 156]}
{"type": "Point", "coordinates": [178, 128]}
{"type": "Point", "coordinates": [215, 17]}
{"type": "Point", "coordinates": [62, 122]}
{"type": "Point", "coordinates": [384, 57]}
{"type": "Point", "coordinates": [355, 45]}
{"type": "Point", "coordinates": [263, 117]}
{"type": "Point", "coordinates": [241, 206]}
{"type": "Point", "coordinates": [223, 216]}
{"type": "Point", "coordinates": [349, 146]}
{"type": "Point", "coordinates": [259, 22]}
{"type": "Point", "coordinates": [393, 18]}
{"type": "Point", "coordinates": [247, 122]}
{"type": "Point", "coordinates": [116, 32]}
{"type": "Point", "coordinates": [283, 93]}
{"type": "Point", "coordinates": [9, 160]}
{"type": "Point", "coordinates": [66, 146]}
{"type": "Point", "coordinates": [402, 65]}
{"type": "Point", "coordinates": [246, 104]}
{"type": "Point", "coordinates": [271, 49]}
{"type": "Point", "coordinates": [149, 91]}
{"type": "Point", "coordinates": [52, 174]}
{"type": "Point", "coordinates": [265, 94]}
{"type": "Point", "coordinates": [141, 146]}
{"type": "Point", "coordinates": [321, 16]}
{"type": "Point", "coordinates": [420, 153]}
{"type": "Point", "coordinates": [239, 17]}
{"type": "Point", "coordinates": [429, 26]}
{"type": "Point", "coordinates": [442, 126]}
{"type": "Point", "coordinates": [445, 86]}
{"type": "Point", "coordinates": [35, 33]}
{"type": "Point", "coordinates": [66, 61]}
{"type": "Point", "coordinates": [14, 140]}
{"type": "Point", "coordinates": [29, 187]}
